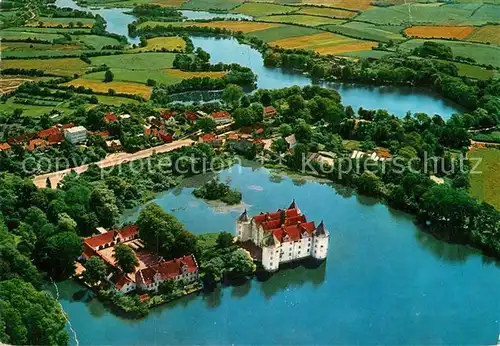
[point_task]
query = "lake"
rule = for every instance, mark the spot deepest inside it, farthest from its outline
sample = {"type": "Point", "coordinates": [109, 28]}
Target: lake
{"type": "Point", "coordinates": [117, 20]}
{"type": "Point", "coordinates": [396, 99]}
{"type": "Point", "coordinates": [384, 281]}
{"type": "Point", "coordinates": [193, 15]}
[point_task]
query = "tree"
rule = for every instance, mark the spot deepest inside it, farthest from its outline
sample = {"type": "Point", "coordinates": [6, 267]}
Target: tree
{"type": "Point", "coordinates": [48, 183]}
{"type": "Point", "coordinates": [240, 263]}
{"type": "Point", "coordinates": [29, 317]}
{"type": "Point", "coordinates": [95, 270]}
{"type": "Point", "coordinates": [206, 124]}
{"type": "Point", "coordinates": [150, 82]}
{"type": "Point", "coordinates": [224, 240]}
{"type": "Point", "coordinates": [279, 146]}
{"type": "Point", "coordinates": [167, 287]}
{"type": "Point", "coordinates": [369, 183]}
{"type": "Point", "coordinates": [213, 269]}
{"type": "Point", "coordinates": [103, 203]}
{"type": "Point", "coordinates": [158, 228]}
{"type": "Point", "coordinates": [108, 76]}
{"type": "Point", "coordinates": [63, 249]}
{"type": "Point", "coordinates": [125, 258]}
{"type": "Point", "coordinates": [285, 130]}
{"type": "Point", "coordinates": [232, 94]}
{"type": "Point", "coordinates": [303, 131]}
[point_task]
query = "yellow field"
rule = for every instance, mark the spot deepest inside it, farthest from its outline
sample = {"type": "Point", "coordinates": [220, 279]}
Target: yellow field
{"type": "Point", "coordinates": [119, 87]}
{"type": "Point", "coordinates": [244, 27]}
{"type": "Point", "coordinates": [157, 43]}
{"type": "Point", "coordinates": [435, 31]}
{"type": "Point", "coordinates": [8, 84]}
{"type": "Point", "coordinates": [329, 12]}
{"type": "Point", "coordinates": [325, 43]}
{"type": "Point", "coordinates": [60, 67]}
{"type": "Point", "coordinates": [185, 74]}
{"type": "Point", "coordinates": [349, 4]}
{"type": "Point", "coordinates": [485, 34]}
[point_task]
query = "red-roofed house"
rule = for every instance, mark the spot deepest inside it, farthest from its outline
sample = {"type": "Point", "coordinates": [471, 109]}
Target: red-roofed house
{"type": "Point", "coordinates": [284, 236]}
{"type": "Point", "coordinates": [166, 114]}
{"type": "Point", "coordinates": [55, 138]}
{"type": "Point", "coordinates": [4, 147]}
{"type": "Point", "coordinates": [270, 111]}
{"type": "Point", "coordinates": [44, 134]}
{"type": "Point", "coordinates": [184, 268]}
{"type": "Point", "coordinates": [211, 139]}
{"type": "Point", "coordinates": [123, 282]}
{"type": "Point", "coordinates": [166, 137]}
{"type": "Point", "coordinates": [110, 117]}
{"type": "Point", "coordinates": [222, 117]}
{"type": "Point", "coordinates": [192, 117]}
{"type": "Point", "coordinates": [36, 144]}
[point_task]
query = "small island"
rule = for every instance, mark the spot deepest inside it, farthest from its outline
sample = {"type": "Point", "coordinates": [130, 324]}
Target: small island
{"type": "Point", "coordinates": [220, 191]}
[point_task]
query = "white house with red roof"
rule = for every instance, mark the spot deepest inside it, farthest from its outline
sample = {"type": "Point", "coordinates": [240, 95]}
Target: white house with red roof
{"type": "Point", "coordinates": [221, 117]}
{"type": "Point", "coordinates": [184, 268]}
{"type": "Point", "coordinates": [284, 236]}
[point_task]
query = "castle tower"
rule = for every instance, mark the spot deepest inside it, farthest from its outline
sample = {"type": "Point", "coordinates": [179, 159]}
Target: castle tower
{"type": "Point", "coordinates": [243, 227]}
{"type": "Point", "coordinates": [321, 237]}
{"type": "Point", "coordinates": [293, 205]}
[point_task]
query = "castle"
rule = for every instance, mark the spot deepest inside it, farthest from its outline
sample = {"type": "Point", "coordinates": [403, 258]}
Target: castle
{"type": "Point", "coordinates": [284, 236]}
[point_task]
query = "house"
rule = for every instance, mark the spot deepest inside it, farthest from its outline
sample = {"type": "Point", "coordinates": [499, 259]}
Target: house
{"type": "Point", "coordinates": [4, 147]}
{"type": "Point", "coordinates": [270, 111]}
{"type": "Point", "coordinates": [148, 131]}
{"type": "Point", "coordinates": [184, 268]}
{"type": "Point", "coordinates": [211, 139]}
{"type": "Point", "coordinates": [166, 137]}
{"type": "Point", "coordinates": [111, 238]}
{"type": "Point", "coordinates": [283, 236]}
{"type": "Point", "coordinates": [45, 134]}
{"type": "Point", "coordinates": [110, 118]}
{"type": "Point", "coordinates": [166, 114]}
{"type": "Point", "coordinates": [192, 117]}
{"type": "Point", "coordinates": [123, 282]}
{"type": "Point", "coordinates": [36, 144]}
{"type": "Point", "coordinates": [75, 134]}
{"type": "Point", "coordinates": [222, 117]}
{"type": "Point", "coordinates": [114, 145]}
{"type": "Point", "coordinates": [291, 141]}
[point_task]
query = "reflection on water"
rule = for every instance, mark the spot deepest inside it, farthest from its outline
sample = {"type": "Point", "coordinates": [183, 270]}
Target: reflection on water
{"type": "Point", "coordinates": [193, 15]}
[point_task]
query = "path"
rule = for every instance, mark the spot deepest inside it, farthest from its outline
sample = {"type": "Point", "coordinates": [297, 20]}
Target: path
{"type": "Point", "coordinates": [109, 161]}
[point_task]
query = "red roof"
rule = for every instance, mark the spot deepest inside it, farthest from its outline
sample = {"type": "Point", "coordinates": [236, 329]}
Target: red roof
{"type": "Point", "coordinates": [110, 117]}
{"type": "Point", "coordinates": [100, 239]}
{"type": "Point", "coordinates": [192, 116]}
{"type": "Point", "coordinates": [294, 232]}
{"type": "Point", "coordinates": [207, 137]}
{"type": "Point", "coordinates": [21, 138]}
{"type": "Point", "coordinates": [259, 131]}
{"type": "Point", "coordinates": [88, 252]}
{"type": "Point", "coordinates": [129, 231]}
{"type": "Point", "coordinates": [221, 115]}
{"type": "Point", "coordinates": [151, 132]}
{"type": "Point", "coordinates": [121, 280]}
{"type": "Point", "coordinates": [48, 132]}
{"type": "Point", "coordinates": [262, 217]}
{"type": "Point", "coordinates": [36, 143]}
{"type": "Point", "coordinates": [276, 223]}
{"type": "Point", "coordinates": [166, 114]}
{"type": "Point", "coordinates": [4, 146]}
{"type": "Point", "coordinates": [68, 126]}
{"type": "Point", "coordinates": [56, 138]}
{"type": "Point", "coordinates": [166, 137]}
{"type": "Point", "coordinates": [269, 110]}
{"type": "Point", "coordinates": [166, 270]}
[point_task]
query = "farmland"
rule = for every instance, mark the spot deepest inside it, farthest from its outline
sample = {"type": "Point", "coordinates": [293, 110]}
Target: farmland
{"type": "Point", "coordinates": [119, 87]}
{"type": "Point", "coordinates": [455, 32]}
{"type": "Point", "coordinates": [63, 22]}
{"type": "Point", "coordinates": [326, 12]}
{"type": "Point", "coordinates": [61, 67]}
{"type": "Point", "coordinates": [348, 4]}
{"type": "Point", "coordinates": [485, 34]}
{"type": "Point", "coordinates": [140, 61]}
{"type": "Point", "coordinates": [211, 4]}
{"type": "Point", "coordinates": [257, 9]}
{"type": "Point", "coordinates": [482, 54]}
{"type": "Point", "coordinates": [368, 31]}
{"type": "Point", "coordinates": [325, 43]}
{"type": "Point", "coordinates": [159, 43]}
{"type": "Point", "coordinates": [302, 20]}
{"type": "Point", "coordinates": [244, 27]}
{"type": "Point", "coordinates": [486, 185]}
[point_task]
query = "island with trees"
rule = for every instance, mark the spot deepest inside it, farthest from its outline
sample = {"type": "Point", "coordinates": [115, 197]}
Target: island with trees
{"type": "Point", "coordinates": [217, 190]}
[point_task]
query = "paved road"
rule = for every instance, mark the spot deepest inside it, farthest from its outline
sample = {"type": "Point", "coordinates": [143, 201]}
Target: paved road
{"type": "Point", "coordinates": [110, 160]}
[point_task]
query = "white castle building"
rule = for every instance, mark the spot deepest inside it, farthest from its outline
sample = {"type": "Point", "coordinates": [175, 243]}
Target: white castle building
{"type": "Point", "coordinates": [283, 236]}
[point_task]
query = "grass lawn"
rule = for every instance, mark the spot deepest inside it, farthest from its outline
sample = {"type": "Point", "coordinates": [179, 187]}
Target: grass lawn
{"type": "Point", "coordinates": [55, 22]}
{"type": "Point", "coordinates": [37, 47]}
{"type": "Point", "coordinates": [28, 110]}
{"type": "Point", "coordinates": [211, 4]}
{"type": "Point", "coordinates": [282, 32]}
{"type": "Point", "coordinates": [60, 67]}
{"type": "Point", "coordinates": [257, 9]}
{"type": "Point", "coordinates": [75, 31]}
{"type": "Point", "coordinates": [327, 12]}
{"type": "Point", "coordinates": [139, 61]}
{"type": "Point", "coordinates": [433, 13]}
{"type": "Point", "coordinates": [158, 43]}
{"type": "Point", "coordinates": [368, 31]}
{"type": "Point", "coordinates": [115, 100]}
{"type": "Point", "coordinates": [374, 54]}
{"type": "Point", "coordinates": [493, 136]}
{"type": "Point", "coordinates": [347, 4]}
{"type": "Point", "coordinates": [95, 41]}
{"type": "Point", "coordinates": [23, 35]}
{"type": "Point", "coordinates": [302, 19]}
{"type": "Point", "coordinates": [481, 53]}
{"type": "Point", "coordinates": [486, 186]}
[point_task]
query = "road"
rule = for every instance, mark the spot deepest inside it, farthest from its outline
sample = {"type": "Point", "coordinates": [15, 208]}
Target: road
{"type": "Point", "coordinates": [109, 161]}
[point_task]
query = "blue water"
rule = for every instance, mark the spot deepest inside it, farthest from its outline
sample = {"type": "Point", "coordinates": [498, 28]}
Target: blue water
{"type": "Point", "coordinates": [384, 281]}
{"type": "Point", "coordinates": [193, 15]}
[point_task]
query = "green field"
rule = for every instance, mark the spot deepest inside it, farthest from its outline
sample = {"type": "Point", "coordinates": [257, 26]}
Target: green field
{"type": "Point", "coordinates": [493, 137]}
{"type": "Point", "coordinates": [28, 110]}
{"type": "Point", "coordinates": [40, 53]}
{"type": "Point", "coordinates": [95, 41]}
{"type": "Point", "coordinates": [326, 12]}
{"type": "Point", "coordinates": [115, 100]}
{"type": "Point", "coordinates": [64, 21]}
{"type": "Point", "coordinates": [257, 9]}
{"type": "Point", "coordinates": [136, 76]}
{"type": "Point", "coordinates": [74, 31]}
{"type": "Point", "coordinates": [302, 19]}
{"type": "Point", "coordinates": [481, 53]}
{"type": "Point", "coordinates": [486, 185]}
{"type": "Point", "coordinates": [23, 35]}
{"type": "Point", "coordinates": [139, 61]}
{"type": "Point", "coordinates": [367, 31]}
{"type": "Point", "coordinates": [285, 31]}
{"type": "Point", "coordinates": [435, 13]}
{"type": "Point", "coordinates": [374, 54]}
{"type": "Point", "coordinates": [211, 4]}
